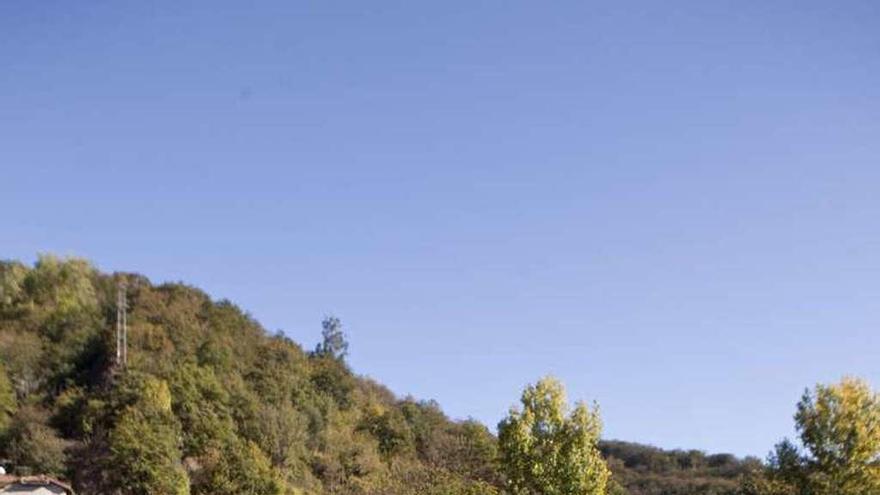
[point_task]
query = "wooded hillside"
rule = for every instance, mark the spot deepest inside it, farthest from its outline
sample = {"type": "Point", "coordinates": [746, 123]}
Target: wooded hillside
{"type": "Point", "coordinates": [211, 404]}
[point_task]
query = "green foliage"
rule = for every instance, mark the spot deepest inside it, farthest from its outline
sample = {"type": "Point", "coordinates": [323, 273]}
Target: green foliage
{"type": "Point", "coordinates": [840, 427]}
{"type": "Point", "coordinates": [8, 403]}
{"type": "Point", "coordinates": [466, 448]}
{"type": "Point", "coordinates": [645, 470]}
{"type": "Point", "coordinates": [144, 452]}
{"type": "Point", "coordinates": [61, 285]}
{"type": "Point", "coordinates": [32, 445]}
{"type": "Point", "coordinates": [12, 277]}
{"type": "Point", "coordinates": [758, 483]}
{"type": "Point", "coordinates": [334, 344]}
{"type": "Point", "coordinates": [22, 355]}
{"type": "Point", "coordinates": [283, 434]}
{"type": "Point", "coordinates": [201, 404]}
{"type": "Point", "coordinates": [332, 378]}
{"type": "Point", "coordinates": [209, 403]}
{"type": "Point", "coordinates": [787, 468]}
{"type": "Point", "coordinates": [54, 303]}
{"type": "Point", "coordinates": [236, 468]}
{"type": "Point", "coordinates": [212, 404]}
{"type": "Point", "coordinates": [547, 450]}
{"type": "Point", "coordinates": [420, 480]}
{"type": "Point", "coordinates": [391, 430]}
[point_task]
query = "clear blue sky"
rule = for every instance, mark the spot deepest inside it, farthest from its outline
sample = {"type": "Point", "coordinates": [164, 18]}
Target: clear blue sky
{"type": "Point", "coordinates": [672, 206]}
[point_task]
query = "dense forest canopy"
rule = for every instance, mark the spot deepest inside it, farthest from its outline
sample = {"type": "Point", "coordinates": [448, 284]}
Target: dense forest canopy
{"type": "Point", "coordinates": [209, 403]}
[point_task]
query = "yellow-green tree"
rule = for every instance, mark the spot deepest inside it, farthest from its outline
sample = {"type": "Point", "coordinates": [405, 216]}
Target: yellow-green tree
{"type": "Point", "coordinates": [144, 445]}
{"type": "Point", "coordinates": [238, 468]}
{"type": "Point", "coordinates": [12, 277]}
{"type": "Point", "coordinates": [840, 427]}
{"type": "Point", "coordinates": [62, 285]}
{"type": "Point", "coordinates": [547, 449]}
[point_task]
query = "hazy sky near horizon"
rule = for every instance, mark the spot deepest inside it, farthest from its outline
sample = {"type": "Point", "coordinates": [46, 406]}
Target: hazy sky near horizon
{"type": "Point", "coordinates": [671, 206]}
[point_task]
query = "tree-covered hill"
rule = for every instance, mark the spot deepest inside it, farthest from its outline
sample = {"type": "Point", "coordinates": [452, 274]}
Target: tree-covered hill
{"type": "Point", "coordinates": [209, 403]}
{"type": "Point", "coordinates": [645, 470]}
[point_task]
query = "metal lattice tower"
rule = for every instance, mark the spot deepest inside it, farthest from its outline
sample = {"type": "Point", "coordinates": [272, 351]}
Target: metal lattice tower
{"type": "Point", "coordinates": [121, 325]}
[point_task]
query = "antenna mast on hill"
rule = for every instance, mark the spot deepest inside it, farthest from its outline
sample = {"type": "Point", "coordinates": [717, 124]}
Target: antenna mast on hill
{"type": "Point", "coordinates": [121, 325]}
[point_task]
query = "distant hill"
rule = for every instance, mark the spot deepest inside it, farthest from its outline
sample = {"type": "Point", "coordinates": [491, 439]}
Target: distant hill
{"type": "Point", "coordinates": [645, 470]}
{"type": "Point", "coordinates": [210, 403]}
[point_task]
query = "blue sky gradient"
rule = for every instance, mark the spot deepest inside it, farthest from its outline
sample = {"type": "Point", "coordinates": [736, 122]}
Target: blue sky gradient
{"type": "Point", "coordinates": [671, 206]}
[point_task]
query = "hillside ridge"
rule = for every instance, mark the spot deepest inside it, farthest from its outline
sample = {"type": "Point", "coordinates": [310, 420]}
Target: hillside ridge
{"type": "Point", "coordinates": [218, 405]}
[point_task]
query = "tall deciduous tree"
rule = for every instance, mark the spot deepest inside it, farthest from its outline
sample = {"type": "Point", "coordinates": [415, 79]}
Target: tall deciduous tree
{"type": "Point", "coordinates": [840, 427]}
{"type": "Point", "coordinates": [334, 343]}
{"type": "Point", "coordinates": [144, 445]}
{"type": "Point", "coordinates": [547, 449]}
